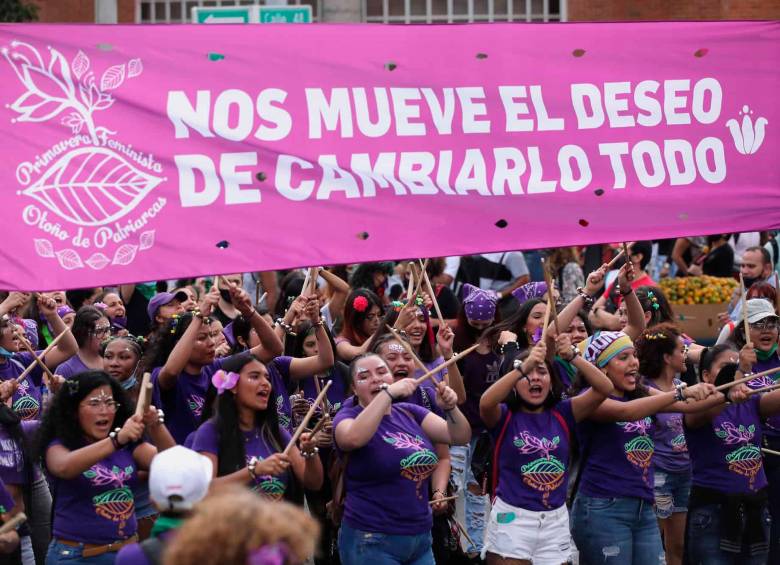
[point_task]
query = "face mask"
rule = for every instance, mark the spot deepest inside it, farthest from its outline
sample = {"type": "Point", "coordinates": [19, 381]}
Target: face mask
{"type": "Point", "coordinates": [224, 294]}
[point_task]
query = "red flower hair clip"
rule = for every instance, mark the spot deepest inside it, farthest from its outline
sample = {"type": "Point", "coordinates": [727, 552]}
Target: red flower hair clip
{"type": "Point", "coordinates": [360, 304]}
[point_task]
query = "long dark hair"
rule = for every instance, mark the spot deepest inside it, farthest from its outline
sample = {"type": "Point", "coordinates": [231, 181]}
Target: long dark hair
{"type": "Point", "coordinates": [515, 324]}
{"type": "Point", "coordinates": [12, 424]}
{"type": "Point", "coordinates": [241, 328]}
{"type": "Point", "coordinates": [164, 339]}
{"type": "Point", "coordinates": [61, 420]}
{"type": "Point", "coordinates": [654, 301]}
{"type": "Point", "coordinates": [232, 453]}
{"type": "Point", "coordinates": [652, 345]}
{"type": "Point", "coordinates": [84, 323]}
{"type": "Point", "coordinates": [427, 352]}
{"type": "Point", "coordinates": [353, 319]}
{"type": "Point", "coordinates": [515, 403]}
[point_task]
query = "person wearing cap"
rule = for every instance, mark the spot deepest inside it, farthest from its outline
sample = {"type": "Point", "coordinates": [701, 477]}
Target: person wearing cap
{"type": "Point", "coordinates": [757, 354]}
{"type": "Point", "coordinates": [165, 305]}
{"type": "Point", "coordinates": [612, 517]}
{"type": "Point", "coordinates": [728, 514]}
{"type": "Point", "coordinates": [178, 479]}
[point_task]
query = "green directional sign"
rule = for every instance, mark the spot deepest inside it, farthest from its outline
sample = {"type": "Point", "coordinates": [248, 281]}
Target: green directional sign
{"type": "Point", "coordinates": [285, 14]}
{"type": "Point", "coordinates": [227, 15]}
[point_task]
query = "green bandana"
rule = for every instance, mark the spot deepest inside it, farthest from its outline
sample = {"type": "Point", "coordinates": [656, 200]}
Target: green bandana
{"type": "Point", "coordinates": [165, 523]}
{"type": "Point", "coordinates": [766, 355]}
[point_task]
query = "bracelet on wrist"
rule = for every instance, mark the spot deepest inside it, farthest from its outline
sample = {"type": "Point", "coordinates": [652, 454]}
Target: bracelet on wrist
{"type": "Point", "coordinates": [309, 454]}
{"type": "Point", "coordinates": [585, 297]}
{"type": "Point", "coordinates": [251, 466]}
{"type": "Point", "coordinates": [114, 437]}
{"type": "Point", "coordinates": [680, 391]}
{"type": "Point", "coordinates": [630, 290]}
{"type": "Point", "coordinates": [385, 388]}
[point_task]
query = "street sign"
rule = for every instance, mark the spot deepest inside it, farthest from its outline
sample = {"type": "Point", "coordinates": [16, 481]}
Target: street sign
{"type": "Point", "coordinates": [225, 15]}
{"type": "Point", "coordinates": [285, 14]}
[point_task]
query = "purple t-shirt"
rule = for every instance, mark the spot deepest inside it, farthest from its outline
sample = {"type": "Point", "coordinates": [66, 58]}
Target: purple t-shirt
{"type": "Point", "coordinates": [617, 458]}
{"type": "Point", "coordinates": [771, 425]}
{"type": "Point", "coordinates": [726, 453]}
{"type": "Point", "coordinates": [533, 460]}
{"type": "Point", "coordinates": [183, 404]}
{"type": "Point", "coordinates": [336, 393]}
{"type": "Point", "coordinates": [425, 394]}
{"type": "Point", "coordinates": [387, 479]}
{"type": "Point", "coordinates": [72, 366]}
{"type": "Point", "coordinates": [27, 398]}
{"type": "Point", "coordinates": [279, 373]}
{"type": "Point", "coordinates": [97, 506]}
{"type": "Point", "coordinates": [12, 470]}
{"type": "Point", "coordinates": [479, 372]}
{"type": "Point", "coordinates": [257, 445]}
{"type": "Point", "coordinates": [671, 450]}
{"type": "Point", "coordinates": [6, 500]}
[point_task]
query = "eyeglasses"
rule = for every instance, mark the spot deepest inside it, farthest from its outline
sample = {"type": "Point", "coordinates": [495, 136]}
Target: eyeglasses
{"type": "Point", "coordinates": [101, 330]}
{"type": "Point", "coordinates": [766, 324]}
{"type": "Point", "coordinates": [95, 404]}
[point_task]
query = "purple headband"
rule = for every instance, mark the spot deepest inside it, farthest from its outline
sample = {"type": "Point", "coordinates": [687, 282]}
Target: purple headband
{"type": "Point", "coordinates": [529, 291]}
{"type": "Point", "coordinates": [63, 311]}
{"type": "Point", "coordinates": [478, 304]}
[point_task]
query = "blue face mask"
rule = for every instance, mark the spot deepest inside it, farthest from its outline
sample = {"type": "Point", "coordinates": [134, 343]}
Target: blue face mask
{"type": "Point", "coordinates": [129, 383]}
{"type": "Point", "coordinates": [5, 354]}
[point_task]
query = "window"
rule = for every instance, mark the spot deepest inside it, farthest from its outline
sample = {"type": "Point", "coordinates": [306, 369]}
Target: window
{"type": "Point", "coordinates": [463, 11]}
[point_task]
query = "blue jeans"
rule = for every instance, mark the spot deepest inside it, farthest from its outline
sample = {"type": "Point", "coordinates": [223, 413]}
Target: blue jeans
{"type": "Point", "coordinates": [61, 554]}
{"type": "Point", "coordinates": [618, 531]}
{"type": "Point", "coordinates": [475, 505]}
{"type": "Point", "coordinates": [703, 539]}
{"type": "Point", "coordinates": [357, 547]}
{"type": "Point", "coordinates": [672, 491]}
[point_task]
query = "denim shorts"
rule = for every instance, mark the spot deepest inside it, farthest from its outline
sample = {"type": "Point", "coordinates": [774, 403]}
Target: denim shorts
{"type": "Point", "coordinates": [672, 491]}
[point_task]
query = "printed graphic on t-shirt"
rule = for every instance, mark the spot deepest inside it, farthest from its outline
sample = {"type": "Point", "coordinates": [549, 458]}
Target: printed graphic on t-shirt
{"type": "Point", "coordinates": [195, 402]}
{"type": "Point", "coordinates": [491, 371]}
{"type": "Point", "coordinates": [24, 405]}
{"type": "Point", "coordinates": [745, 460]}
{"type": "Point", "coordinates": [679, 444]}
{"type": "Point", "coordinates": [544, 474]}
{"type": "Point", "coordinates": [116, 504]}
{"type": "Point", "coordinates": [284, 419]}
{"type": "Point", "coordinates": [639, 450]}
{"type": "Point", "coordinates": [417, 466]}
{"type": "Point", "coordinates": [267, 485]}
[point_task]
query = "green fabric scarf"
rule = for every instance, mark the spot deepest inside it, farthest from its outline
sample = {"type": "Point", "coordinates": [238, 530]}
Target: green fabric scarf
{"type": "Point", "coordinates": [165, 523]}
{"type": "Point", "coordinates": [766, 355]}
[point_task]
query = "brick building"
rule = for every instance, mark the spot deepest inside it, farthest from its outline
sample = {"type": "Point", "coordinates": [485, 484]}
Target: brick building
{"type": "Point", "coordinates": [425, 11]}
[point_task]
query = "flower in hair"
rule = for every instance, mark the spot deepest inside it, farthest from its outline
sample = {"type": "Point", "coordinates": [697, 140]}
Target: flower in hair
{"type": "Point", "coordinates": [656, 335]}
{"type": "Point", "coordinates": [223, 381]}
{"type": "Point", "coordinates": [397, 305]}
{"type": "Point", "coordinates": [274, 554]}
{"type": "Point", "coordinates": [653, 300]}
{"type": "Point", "coordinates": [360, 304]}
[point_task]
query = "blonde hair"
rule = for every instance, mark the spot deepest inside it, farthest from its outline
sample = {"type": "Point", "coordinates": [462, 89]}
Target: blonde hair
{"type": "Point", "coordinates": [231, 523]}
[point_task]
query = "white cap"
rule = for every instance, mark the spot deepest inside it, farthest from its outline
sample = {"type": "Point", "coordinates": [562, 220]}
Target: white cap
{"type": "Point", "coordinates": [179, 478]}
{"type": "Point", "coordinates": [758, 309]}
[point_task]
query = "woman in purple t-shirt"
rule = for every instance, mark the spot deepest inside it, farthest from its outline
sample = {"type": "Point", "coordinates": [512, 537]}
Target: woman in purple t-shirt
{"type": "Point", "coordinates": [531, 425]}
{"type": "Point", "coordinates": [90, 443]}
{"type": "Point", "coordinates": [244, 440]}
{"type": "Point", "coordinates": [728, 520]}
{"type": "Point", "coordinates": [182, 360]}
{"type": "Point", "coordinates": [612, 517]}
{"type": "Point", "coordinates": [662, 355]}
{"type": "Point", "coordinates": [387, 516]}
{"type": "Point", "coordinates": [90, 328]}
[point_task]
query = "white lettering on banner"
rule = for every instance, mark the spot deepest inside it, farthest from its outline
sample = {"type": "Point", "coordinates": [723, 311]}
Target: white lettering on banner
{"type": "Point", "coordinates": [591, 107]}
{"type": "Point", "coordinates": [190, 193]}
{"type": "Point", "coordinates": [233, 116]}
{"type": "Point", "coordinates": [513, 108]}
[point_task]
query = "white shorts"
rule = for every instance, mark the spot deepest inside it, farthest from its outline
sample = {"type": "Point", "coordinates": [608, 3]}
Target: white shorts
{"type": "Point", "coordinates": [542, 538]}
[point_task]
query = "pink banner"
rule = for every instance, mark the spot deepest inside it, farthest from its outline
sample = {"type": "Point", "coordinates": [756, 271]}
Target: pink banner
{"type": "Point", "coordinates": [138, 153]}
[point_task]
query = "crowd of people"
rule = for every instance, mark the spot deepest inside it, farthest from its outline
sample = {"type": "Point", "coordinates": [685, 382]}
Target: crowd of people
{"type": "Point", "coordinates": [352, 414]}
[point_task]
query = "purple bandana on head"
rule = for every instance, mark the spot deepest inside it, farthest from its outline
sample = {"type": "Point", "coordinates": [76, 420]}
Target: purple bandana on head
{"type": "Point", "coordinates": [478, 304]}
{"type": "Point", "coordinates": [63, 311]}
{"type": "Point", "coordinates": [529, 291]}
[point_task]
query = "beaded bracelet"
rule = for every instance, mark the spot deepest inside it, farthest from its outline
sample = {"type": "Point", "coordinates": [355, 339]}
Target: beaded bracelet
{"type": "Point", "coordinates": [585, 296]}
{"type": "Point", "coordinates": [309, 454]}
{"type": "Point", "coordinates": [285, 326]}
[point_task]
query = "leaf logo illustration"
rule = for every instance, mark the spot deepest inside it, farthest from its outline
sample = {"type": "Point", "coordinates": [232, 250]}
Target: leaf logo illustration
{"type": "Point", "coordinates": [69, 259]}
{"type": "Point", "coordinates": [112, 78]}
{"type": "Point", "coordinates": [44, 248]}
{"type": "Point", "coordinates": [146, 240]}
{"type": "Point", "coordinates": [98, 261]}
{"type": "Point", "coordinates": [80, 64]}
{"type": "Point", "coordinates": [134, 68]}
{"type": "Point", "coordinates": [125, 254]}
{"type": "Point", "coordinates": [92, 186]}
